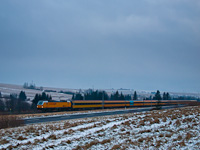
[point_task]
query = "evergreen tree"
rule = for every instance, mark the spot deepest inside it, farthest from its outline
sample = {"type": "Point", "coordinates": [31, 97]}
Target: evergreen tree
{"type": "Point", "coordinates": [135, 97]}
{"type": "Point", "coordinates": [106, 97]}
{"type": "Point", "coordinates": [78, 96]}
{"type": "Point", "coordinates": [127, 97]}
{"type": "Point", "coordinates": [39, 97]}
{"type": "Point", "coordinates": [158, 98]}
{"type": "Point", "coordinates": [121, 97]}
{"type": "Point", "coordinates": [168, 97]}
{"type": "Point", "coordinates": [2, 106]}
{"type": "Point", "coordinates": [44, 96]}
{"type": "Point", "coordinates": [116, 96]}
{"type": "Point", "coordinates": [12, 105]}
{"type": "Point", "coordinates": [91, 95]}
{"type": "Point", "coordinates": [22, 96]}
{"type": "Point", "coordinates": [111, 97]}
{"type": "Point", "coordinates": [25, 85]}
{"type": "Point", "coordinates": [164, 96]}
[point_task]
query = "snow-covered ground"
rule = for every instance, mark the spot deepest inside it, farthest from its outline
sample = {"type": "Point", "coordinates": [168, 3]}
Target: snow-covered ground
{"type": "Point", "coordinates": [7, 89]}
{"type": "Point", "coordinates": [164, 129]}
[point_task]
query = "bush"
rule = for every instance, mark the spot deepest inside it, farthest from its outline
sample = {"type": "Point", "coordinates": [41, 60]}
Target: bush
{"type": "Point", "coordinates": [7, 121]}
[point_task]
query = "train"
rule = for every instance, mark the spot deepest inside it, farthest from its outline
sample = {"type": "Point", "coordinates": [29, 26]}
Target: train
{"type": "Point", "coordinates": [44, 105]}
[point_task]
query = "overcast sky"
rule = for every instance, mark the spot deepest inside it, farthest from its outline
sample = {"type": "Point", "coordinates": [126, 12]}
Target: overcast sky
{"type": "Point", "coordinates": [142, 45]}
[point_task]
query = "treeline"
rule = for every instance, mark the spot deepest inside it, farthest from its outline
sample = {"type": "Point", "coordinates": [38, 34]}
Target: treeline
{"type": "Point", "coordinates": [15, 103]}
{"type": "Point", "coordinates": [167, 96]}
{"type": "Point", "coordinates": [39, 97]}
{"type": "Point", "coordinates": [158, 96]}
{"type": "Point", "coordinates": [19, 103]}
{"type": "Point", "coordinates": [102, 95]}
{"type": "Point", "coordinates": [29, 86]}
{"type": "Point", "coordinates": [32, 86]}
{"type": "Point", "coordinates": [186, 98]}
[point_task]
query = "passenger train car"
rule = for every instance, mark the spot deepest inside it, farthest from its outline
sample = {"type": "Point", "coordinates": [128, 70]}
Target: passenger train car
{"type": "Point", "coordinates": [101, 104]}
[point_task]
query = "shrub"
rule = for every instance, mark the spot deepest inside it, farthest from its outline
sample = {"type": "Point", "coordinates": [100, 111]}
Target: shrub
{"type": "Point", "coordinates": [68, 142]}
{"type": "Point", "coordinates": [140, 140]}
{"type": "Point", "coordinates": [7, 121]}
{"type": "Point", "coordinates": [179, 137]}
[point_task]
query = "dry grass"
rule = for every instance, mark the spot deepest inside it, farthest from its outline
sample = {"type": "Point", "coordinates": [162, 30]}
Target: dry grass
{"type": "Point", "coordinates": [177, 123]}
{"type": "Point", "coordinates": [144, 131]}
{"type": "Point", "coordinates": [116, 147]}
{"type": "Point", "coordinates": [158, 144]}
{"type": "Point", "coordinates": [52, 136]}
{"type": "Point", "coordinates": [8, 121]}
{"type": "Point", "coordinates": [141, 123]}
{"type": "Point", "coordinates": [179, 138]}
{"type": "Point", "coordinates": [68, 142]}
{"type": "Point", "coordinates": [161, 135]}
{"type": "Point", "coordinates": [127, 123]}
{"type": "Point", "coordinates": [43, 140]}
{"type": "Point", "coordinates": [188, 136]}
{"type": "Point", "coordinates": [169, 135]}
{"type": "Point", "coordinates": [105, 141]}
{"type": "Point", "coordinates": [4, 141]}
{"type": "Point", "coordinates": [114, 127]}
{"type": "Point", "coordinates": [187, 120]}
{"type": "Point", "coordinates": [89, 145]}
{"type": "Point", "coordinates": [21, 138]}
{"type": "Point", "coordinates": [182, 143]}
{"type": "Point", "coordinates": [140, 140]}
{"type": "Point", "coordinates": [156, 120]}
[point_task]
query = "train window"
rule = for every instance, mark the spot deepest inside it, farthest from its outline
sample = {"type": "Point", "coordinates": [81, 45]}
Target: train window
{"type": "Point", "coordinates": [40, 103]}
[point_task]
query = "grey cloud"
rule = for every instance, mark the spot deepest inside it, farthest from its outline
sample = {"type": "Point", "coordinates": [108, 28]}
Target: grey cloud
{"type": "Point", "coordinates": [148, 44]}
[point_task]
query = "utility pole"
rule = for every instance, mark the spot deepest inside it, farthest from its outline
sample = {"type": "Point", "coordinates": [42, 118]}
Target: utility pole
{"type": "Point", "coordinates": [103, 100]}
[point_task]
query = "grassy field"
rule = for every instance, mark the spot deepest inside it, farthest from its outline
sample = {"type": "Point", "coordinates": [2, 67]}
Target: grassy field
{"type": "Point", "coordinates": [160, 129]}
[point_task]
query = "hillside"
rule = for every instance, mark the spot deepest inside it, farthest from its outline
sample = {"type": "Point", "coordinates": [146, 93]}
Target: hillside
{"type": "Point", "coordinates": [7, 89]}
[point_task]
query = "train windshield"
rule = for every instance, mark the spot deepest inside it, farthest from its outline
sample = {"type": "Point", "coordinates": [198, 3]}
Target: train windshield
{"type": "Point", "coordinates": [40, 103]}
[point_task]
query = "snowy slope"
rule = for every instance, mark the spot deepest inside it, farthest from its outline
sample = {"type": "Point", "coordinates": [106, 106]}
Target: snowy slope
{"type": "Point", "coordinates": [164, 129]}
